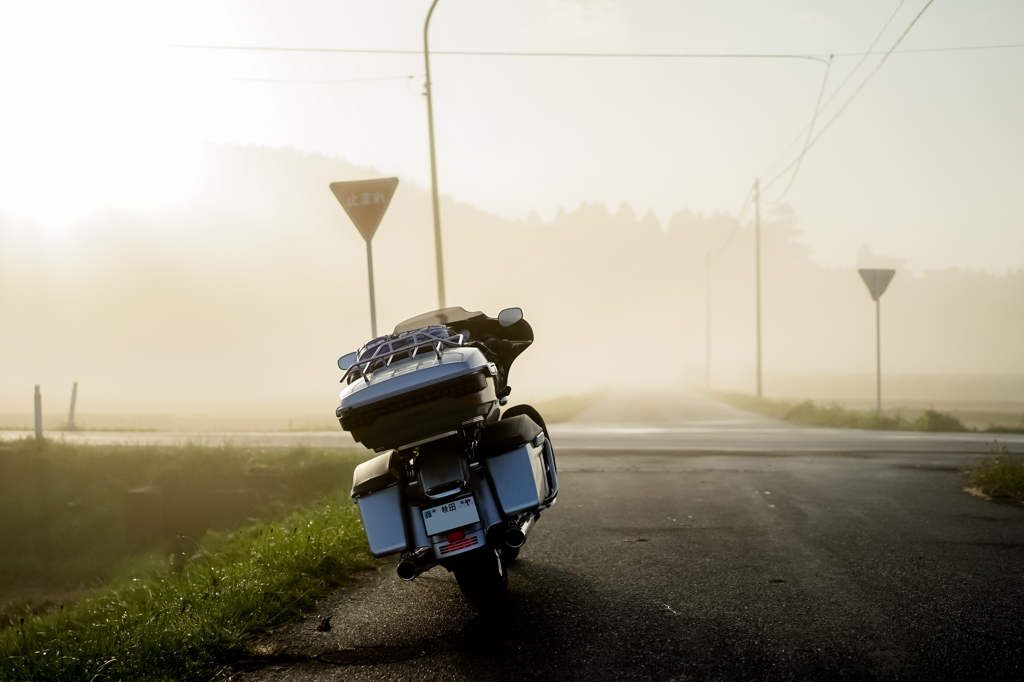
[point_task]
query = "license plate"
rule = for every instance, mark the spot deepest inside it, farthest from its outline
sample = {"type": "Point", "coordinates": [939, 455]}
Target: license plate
{"type": "Point", "coordinates": [454, 514]}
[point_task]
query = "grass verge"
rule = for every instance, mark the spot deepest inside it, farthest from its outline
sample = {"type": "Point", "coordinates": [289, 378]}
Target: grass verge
{"type": "Point", "coordinates": [68, 517]}
{"type": "Point", "coordinates": [809, 413]}
{"type": "Point", "coordinates": [999, 477]}
{"type": "Point", "coordinates": [155, 623]}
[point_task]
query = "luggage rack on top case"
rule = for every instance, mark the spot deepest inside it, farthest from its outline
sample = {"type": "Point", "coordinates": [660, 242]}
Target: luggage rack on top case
{"type": "Point", "coordinates": [398, 346]}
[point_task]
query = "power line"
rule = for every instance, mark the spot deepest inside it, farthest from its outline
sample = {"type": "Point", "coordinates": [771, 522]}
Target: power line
{"type": "Point", "coordinates": [631, 55]}
{"type": "Point", "coordinates": [835, 92]}
{"type": "Point", "coordinates": [319, 82]}
{"type": "Point", "coordinates": [476, 53]}
{"type": "Point", "coordinates": [851, 98]}
{"type": "Point", "coordinates": [807, 142]}
{"type": "Point", "coordinates": [868, 52]}
{"type": "Point", "coordinates": [796, 164]}
{"type": "Point", "coordinates": [938, 49]}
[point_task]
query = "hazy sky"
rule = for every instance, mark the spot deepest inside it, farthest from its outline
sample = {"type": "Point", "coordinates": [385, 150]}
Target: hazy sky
{"type": "Point", "coordinates": [99, 111]}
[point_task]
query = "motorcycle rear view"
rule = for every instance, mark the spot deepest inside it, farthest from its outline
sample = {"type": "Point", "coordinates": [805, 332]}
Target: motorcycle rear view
{"type": "Point", "coordinates": [457, 482]}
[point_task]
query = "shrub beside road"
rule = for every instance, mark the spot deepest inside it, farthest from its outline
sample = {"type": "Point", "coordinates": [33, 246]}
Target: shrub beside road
{"type": "Point", "coordinates": [810, 413]}
{"type": "Point", "coordinates": [999, 477]}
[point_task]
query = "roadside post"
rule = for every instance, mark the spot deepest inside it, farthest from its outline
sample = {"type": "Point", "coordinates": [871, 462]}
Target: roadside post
{"type": "Point", "coordinates": [365, 202]}
{"type": "Point", "coordinates": [71, 412]}
{"type": "Point", "coordinates": [39, 413]}
{"type": "Point", "coordinates": [877, 282]}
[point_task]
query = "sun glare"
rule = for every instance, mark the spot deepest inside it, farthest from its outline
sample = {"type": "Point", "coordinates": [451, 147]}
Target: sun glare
{"type": "Point", "coordinates": [92, 120]}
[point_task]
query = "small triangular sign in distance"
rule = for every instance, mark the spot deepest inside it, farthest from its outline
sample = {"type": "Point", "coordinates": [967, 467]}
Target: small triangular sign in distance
{"type": "Point", "coordinates": [365, 202]}
{"type": "Point", "coordinates": [877, 280]}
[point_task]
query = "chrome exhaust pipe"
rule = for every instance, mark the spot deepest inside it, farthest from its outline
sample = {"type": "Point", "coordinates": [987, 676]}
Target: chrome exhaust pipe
{"type": "Point", "coordinates": [515, 536]}
{"type": "Point", "coordinates": [415, 563]}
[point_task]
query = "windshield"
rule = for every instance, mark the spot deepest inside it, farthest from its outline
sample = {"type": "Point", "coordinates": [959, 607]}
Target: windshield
{"type": "Point", "coordinates": [500, 344]}
{"type": "Point", "coordinates": [444, 316]}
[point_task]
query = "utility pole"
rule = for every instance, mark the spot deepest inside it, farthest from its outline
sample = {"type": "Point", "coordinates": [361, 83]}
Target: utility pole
{"type": "Point", "coordinates": [433, 163]}
{"type": "Point", "coordinates": [707, 326]}
{"type": "Point", "coordinates": [757, 273]}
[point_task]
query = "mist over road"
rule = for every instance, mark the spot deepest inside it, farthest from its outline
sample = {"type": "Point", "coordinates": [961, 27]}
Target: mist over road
{"type": "Point", "coordinates": [819, 555]}
{"type": "Point", "coordinates": [671, 422]}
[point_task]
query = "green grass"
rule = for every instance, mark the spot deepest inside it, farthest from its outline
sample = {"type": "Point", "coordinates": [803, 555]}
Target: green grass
{"type": "Point", "coordinates": [810, 413]}
{"type": "Point", "coordinates": [156, 624]}
{"type": "Point", "coordinates": [999, 477]}
{"type": "Point", "coordinates": [63, 516]}
{"type": "Point", "coordinates": [84, 421]}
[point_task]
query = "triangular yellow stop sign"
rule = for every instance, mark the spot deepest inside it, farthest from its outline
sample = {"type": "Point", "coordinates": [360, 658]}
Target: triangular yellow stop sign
{"type": "Point", "coordinates": [365, 202]}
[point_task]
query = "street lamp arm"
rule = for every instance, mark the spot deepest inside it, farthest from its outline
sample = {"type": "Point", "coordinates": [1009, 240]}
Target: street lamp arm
{"type": "Point", "coordinates": [426, 25]}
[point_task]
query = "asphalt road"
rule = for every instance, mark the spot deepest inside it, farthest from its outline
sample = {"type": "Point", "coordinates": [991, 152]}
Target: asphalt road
{"type": "Point", "coordinates": [695, 541]}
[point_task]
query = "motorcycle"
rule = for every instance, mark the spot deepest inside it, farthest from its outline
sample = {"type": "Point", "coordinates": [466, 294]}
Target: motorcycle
{"type": "Point", "coordinates": [458, 482]}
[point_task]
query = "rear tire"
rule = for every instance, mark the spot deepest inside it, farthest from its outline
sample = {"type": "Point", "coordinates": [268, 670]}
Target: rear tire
{"type": "Point", "coordinates": [510, 554]}
{"type": "Point", "coordinates": [482, 577]}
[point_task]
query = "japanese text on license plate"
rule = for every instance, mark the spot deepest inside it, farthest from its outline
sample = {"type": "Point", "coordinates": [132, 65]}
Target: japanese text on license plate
{"type": "Point", "coordinates": [454, 514]}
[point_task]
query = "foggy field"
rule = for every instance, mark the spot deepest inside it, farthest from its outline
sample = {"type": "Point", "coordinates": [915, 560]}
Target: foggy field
{"type": "Point", "coordinates": [165, 422]}
{"type": "Point", "coordinates": [278, 289]}
{"type": "Point", "coordinates": [554, 410]}
{"type": "Point", "coordinates": [73, 516]}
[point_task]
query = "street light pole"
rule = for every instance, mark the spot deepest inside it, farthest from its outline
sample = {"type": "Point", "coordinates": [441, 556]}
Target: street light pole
{"type": "Point", "coordinates": [757, 273]}
{"type": "Point", "coordinates": [433, 163]}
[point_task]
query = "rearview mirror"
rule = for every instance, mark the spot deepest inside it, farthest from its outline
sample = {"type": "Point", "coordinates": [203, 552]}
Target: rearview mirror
{"type": "Point", "coordinates": [509, 316]}
{"type": "Point", "coordinates": [346, 361]}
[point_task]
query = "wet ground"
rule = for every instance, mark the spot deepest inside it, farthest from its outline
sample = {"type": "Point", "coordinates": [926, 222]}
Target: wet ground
{"type": "Point", "coordinates": [700, 542]}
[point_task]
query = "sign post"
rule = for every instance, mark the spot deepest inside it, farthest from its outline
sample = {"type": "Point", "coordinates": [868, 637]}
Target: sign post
{"type": "Point", "coordinates": [71, 412]}
{"type": "Point", "coordinates": [39, 413]}
{"type": "Point", "coordinates": [365, 202]}
{"type": "Point", "coordinates": [877, 282]}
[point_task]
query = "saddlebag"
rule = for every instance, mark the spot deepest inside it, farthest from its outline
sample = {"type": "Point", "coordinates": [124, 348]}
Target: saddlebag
{"type": "Point", "coordinates": [519, 462]}
{"type": "Point", "coordinates": [375, 489]}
